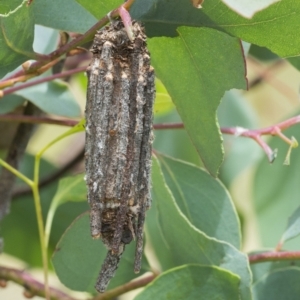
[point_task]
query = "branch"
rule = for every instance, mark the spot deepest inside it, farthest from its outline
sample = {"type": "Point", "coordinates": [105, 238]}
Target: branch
{"type": "Point", "coordinates": [274, 256]}
{"type": "Point", "coordinates": [14, 155]}
{"type": "Point", "coordinates": [37, 120]}
{"type": "Point", "coordinates": [120, 290]}
{"type": "Point", "coordinates": [36, 68]}
{"type": "Point", "coordinates": [255, 134]}
{"type": "Point", "coordinates": [42, 80]}
{"type": "Point", "coordinates": [32, 286]}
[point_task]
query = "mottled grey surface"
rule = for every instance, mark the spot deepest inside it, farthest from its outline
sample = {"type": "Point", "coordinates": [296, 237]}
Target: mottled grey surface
{"type": "Point", "coordinates": [120, 96]}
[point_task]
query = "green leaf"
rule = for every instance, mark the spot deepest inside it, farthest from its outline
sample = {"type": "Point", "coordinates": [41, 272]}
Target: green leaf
{"type": "Point", "coordinates": [10, 102]}
{"type": "Point", "coordinates": [70, 188]}
{"type": "Point", "coordinates": [78, 259]}
{"type": "Point", "coordinates": [279, 285]}
{"type": "Point", "coordinates": [282, 19]}
{"type": "Point", "coordinates": [293, 226]}
{"type": "Point", "coordinates": [248, 8]}
{"type": "Point", "coordinates": [16, 37]}
{"type": "Point", "coordinates": [7, 6]}
{"type": "Point", "coordinates": [234, 111]}
{"type": "Point", "coordinates": [45, 39]}
{"type": "Point", "coordinates": [163, 102]}
{"type": "Point", "coordinates": [102, 7]}
{"type": "Point", "coordinates": [64, 15]}
{"type": "Point", "coordinates": [52, 97]}
{"type": "Point", "coordinates": [295, 61]}
{"type": "Point", "coordinates": [262, 53]}
{"type": "Point", "coordinates": [191, 281]}
{"type": "Point", "coordinates": [276, 191]}
{"type": "Point", "coordinates": [208, 63]}
{"type": "Point", "coordinates": [186, 244]}
{"type": "Point", "coordinates": [263, 269]}
{"type": "Point", "coordinates": [202, 199]}
{"type": "Point", "coordinates": [19, 228]}
{"type": "Point", "coordinates": [181, 144]}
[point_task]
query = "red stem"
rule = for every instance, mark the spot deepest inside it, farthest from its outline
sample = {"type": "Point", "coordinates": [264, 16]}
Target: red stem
{"type": "Point", "coordinates": [42, 80]}
{"type": "Point", "coordinates": [71, 45]}
{"type": "Point", "coordinates": [37, 120]}
{"type": "Point", "coordinates": [274, 256]}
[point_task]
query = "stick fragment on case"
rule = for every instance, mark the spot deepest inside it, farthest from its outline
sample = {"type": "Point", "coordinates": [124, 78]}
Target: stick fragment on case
{"type": "Point", "coordinates": [120, 98]}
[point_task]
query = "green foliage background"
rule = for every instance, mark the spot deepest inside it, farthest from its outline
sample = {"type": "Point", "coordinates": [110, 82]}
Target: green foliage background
{"type": "Point", "coordinates": [194, 229]}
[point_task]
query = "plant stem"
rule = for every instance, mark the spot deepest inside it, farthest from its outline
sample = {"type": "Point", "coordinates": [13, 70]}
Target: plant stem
{"type": "Point", "coordinates": [120, 290]}
{"type": "Point", "coordinates": [255, 134]}
{"type": "Point", "coordinates": [49, 60]}
{"type": "Point", "coordinates": [42, 80]}
{"type": "Point", "coordinates": [34, 287]}
{"type": "Point", "coordinates": [36, 120]}
{"type": "Point", "coordinates": [16, 172]}
{"type": "Point", "coordinates": [274, 256]}
{"type": "Point", "coordinates": [40, 221]}
{"type": "Point", "coordinates": [51, 177]}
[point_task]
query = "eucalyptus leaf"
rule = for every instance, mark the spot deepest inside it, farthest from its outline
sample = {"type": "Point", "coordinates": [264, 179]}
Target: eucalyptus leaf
{"type": "Point", "coordinates": [276, 191]}
{"type": "Point", "coordinates": [282, 19]}
{"type": "Point", "coordinates": [263, 269]}
{"type": "Point", "coordinates": [78, 259]}
{"type": "Point", "coordinates": [186, 244]}
{"type": "Point", "coordinates": [10, 102]}
{"type": "Point", "coordinates": [163, 102]}
{"type": "Point", "coordinates": [175, 143]}
{"type": "Point", "coordinates": [278, 285]}
{"type": "Point", "coordinates": [190, 281]}
{"type": "Point", "coordinates": [208, 63]}
{"type": "Point", "coordinates": [72, 188]}
{"type": "Point", "coordinates": [64, 15]}
{"type": "Point", "coordinates": [235, 111]}
{"type": "Point", "coordinates": [45, 39]}
{"type": "Point", "coordinates": [7, 6]}
{"type": "Point", "coordinates": [248, 8]}
{"type": "Point", "coordinates": [293, 226]}
{"type": "Point", "coordinates": [19, 228]}
{"type": "Point", "coordinates": [16, 36]}
{"type": "Point", "coordinates": [295, 61]}
{"type": "Point", "coordinates": [52, 97]}
{"type": "Point", "coordinates": [102, 7]}
{"type": "Point", "coordinates": [203, 200]}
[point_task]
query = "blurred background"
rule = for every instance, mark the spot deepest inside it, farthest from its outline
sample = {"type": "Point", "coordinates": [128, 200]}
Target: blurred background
{"type": "Point", "coordinates": [265, 194]}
